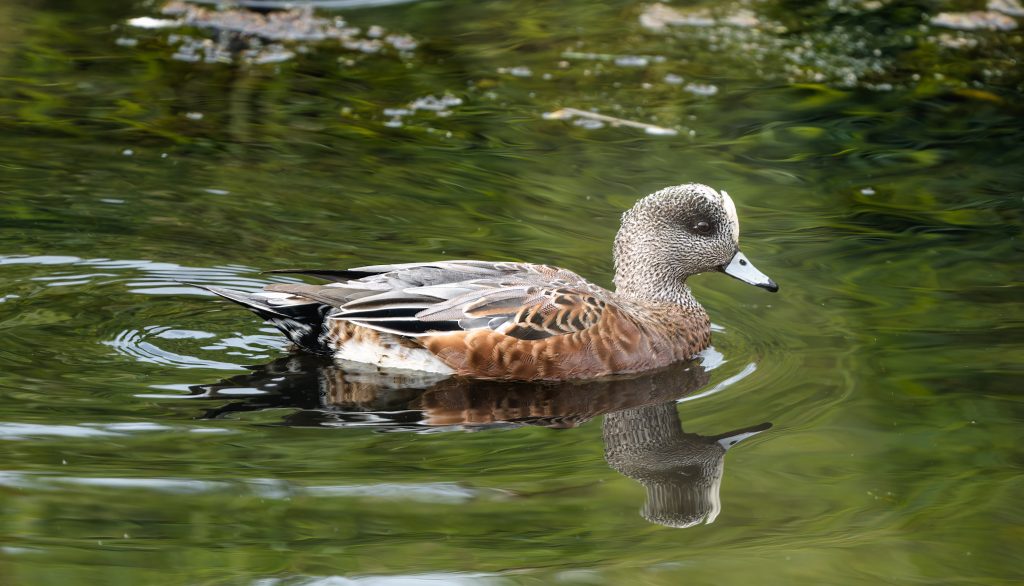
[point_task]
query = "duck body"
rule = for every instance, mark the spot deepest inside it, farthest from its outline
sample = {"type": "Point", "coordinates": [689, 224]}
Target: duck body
{"type": "Point", "coordinates": [521, 321]}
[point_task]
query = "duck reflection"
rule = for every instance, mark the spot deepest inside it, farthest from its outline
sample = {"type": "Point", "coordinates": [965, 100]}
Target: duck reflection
{"type": "Point", "coordinates": [681, 471]}
{"type": "Point", "coordinates": [643, 436]}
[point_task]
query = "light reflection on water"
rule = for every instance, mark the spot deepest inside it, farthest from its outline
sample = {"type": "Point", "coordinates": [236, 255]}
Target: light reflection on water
{"type": "Point", "coordinates": [161, 278]}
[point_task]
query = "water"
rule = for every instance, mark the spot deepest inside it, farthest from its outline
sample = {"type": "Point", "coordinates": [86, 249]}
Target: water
{"type": "Point", "coordinates": [152, 434]}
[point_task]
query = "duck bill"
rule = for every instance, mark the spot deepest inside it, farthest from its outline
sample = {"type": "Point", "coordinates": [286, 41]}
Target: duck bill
{"type": "Point", "coordinates": [742, 269]}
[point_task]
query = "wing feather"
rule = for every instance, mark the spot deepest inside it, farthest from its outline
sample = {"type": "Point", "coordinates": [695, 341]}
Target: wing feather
{"type": "Point", "coordinates": [526, 301]}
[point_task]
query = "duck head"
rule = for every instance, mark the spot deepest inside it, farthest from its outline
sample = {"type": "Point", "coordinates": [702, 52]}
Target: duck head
{"type": "Point", "coordinates": [678, 232]}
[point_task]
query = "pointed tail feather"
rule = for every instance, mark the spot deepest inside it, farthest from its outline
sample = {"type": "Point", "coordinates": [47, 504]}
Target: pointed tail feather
{"type": "Point", "coordinates": [337, 276]}
{"type": "Point", "coordinates": [303, 324]}
{"type": "Point", "coordinates": [246, 300]}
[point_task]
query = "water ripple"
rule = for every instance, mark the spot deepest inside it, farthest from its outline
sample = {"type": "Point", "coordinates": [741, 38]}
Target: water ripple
{"type": "Point", "coordinates": [10, 430]}
{"type": "Point", "coordinates": [162, 278]}
{"type": "Point", "coordinates": [435, 579]}
{"type": "Point", "coordinates": [135, 344]}
{"type": "Point", "coordinates": [268, 488]}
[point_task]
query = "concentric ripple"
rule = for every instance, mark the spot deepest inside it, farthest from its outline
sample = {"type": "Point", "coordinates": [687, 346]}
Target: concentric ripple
{"type": "Point", "coordinates": [139, 344]}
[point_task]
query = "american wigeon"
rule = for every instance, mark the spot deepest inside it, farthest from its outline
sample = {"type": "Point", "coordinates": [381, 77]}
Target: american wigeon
{"type": "Point", "coordinates": [520, 321]}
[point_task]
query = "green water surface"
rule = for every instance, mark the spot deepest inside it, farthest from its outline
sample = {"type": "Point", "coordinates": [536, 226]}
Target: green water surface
{"type": "Point", "coordinates": [153, 435]}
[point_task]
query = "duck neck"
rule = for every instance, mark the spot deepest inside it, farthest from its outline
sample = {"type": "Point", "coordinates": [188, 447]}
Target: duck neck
{"type": "Point", "coordinates": [645, 272]}
{"type": "Point", "coordinates": [649, 284]}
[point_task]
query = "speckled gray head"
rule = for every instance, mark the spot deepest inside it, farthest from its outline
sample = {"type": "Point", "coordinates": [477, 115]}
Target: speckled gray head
{"type": "Point", "coordinates": [678, 232]}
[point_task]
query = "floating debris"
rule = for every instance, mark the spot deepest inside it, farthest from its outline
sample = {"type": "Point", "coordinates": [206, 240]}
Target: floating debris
{"type": "Point", "coordinates": [741, 18]}
{"type": "Point", "coordinates": [225, 50]}
{"type": "Point", "coordinates": [368, 46]}
{"type": "Point", "coordinates": [126, 42]}
{"type": "Point", "coordinates": [402, 42]}
{"type": "Point", "coordinates": [148, 22]}
{"type": "Point", "coordinates": [842, 55]}
{"type": "Point", "coordinates": [658, 17]}
{"type": "Point", "coordinates": [662, 131]}
{"type": "Point", "coordinates": [294, 24]}
{"type": "Point", "coordinates": [1011, 7]}
{"type": "Point", "coordinates": [620, 60]}
{"type": "Point", "coordinates": [269, 54]}
{"type": "Point", "coordinates": [260, 37]}
{"type": "Point", "coordinates": [673, 79]}
{"type": "Point", "coordinates": [193, 50]}
{"type": "Point", "coordinates": [958, 41]}
{"type": "Point", "coordinates": [439, 106]}
{"type": "Point", "coordinates": [701, 89]}
{"type": "Point", "coordinates": [518, 71]}
{"type": "Point", "coordinates": [845, 53]}
{"type": "Point", "coordinates": [588, 123]}
{"type": "Point", "coordinates": [631, 61]}
{"type": "Point", "coordinates": [435, 104]}
{"type": "Point", "coordinates": [855, 6]}
{"type": "Point", "coordinates": [593, 120]}
{"type": "Point", "coordinates": [976, 20]}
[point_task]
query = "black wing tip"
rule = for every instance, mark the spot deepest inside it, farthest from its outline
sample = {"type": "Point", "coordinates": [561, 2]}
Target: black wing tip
{"type": "Point", "coordinates": [325, 274]}
{"type": "Point", "coordinates": [232, 294]}
{"type": "Point", "coordinates": [302, 324]}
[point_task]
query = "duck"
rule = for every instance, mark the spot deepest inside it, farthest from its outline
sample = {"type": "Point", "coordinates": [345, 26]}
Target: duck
{"type": "Point", "coordinates": [524, 321]}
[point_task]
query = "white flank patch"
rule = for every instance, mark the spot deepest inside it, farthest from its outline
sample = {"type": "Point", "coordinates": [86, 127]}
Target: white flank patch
{"type": "Point", "coordinates": [388, 354]}
{"type": "Point", "coordinates": [734, 219]}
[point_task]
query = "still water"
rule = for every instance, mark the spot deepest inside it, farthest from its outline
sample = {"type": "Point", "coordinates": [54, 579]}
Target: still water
{"type": "Point", "coordinates": [151, 434]}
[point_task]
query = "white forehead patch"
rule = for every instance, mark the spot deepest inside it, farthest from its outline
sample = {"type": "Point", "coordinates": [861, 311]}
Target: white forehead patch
{"type": "Point", "coordinates": [734, 219]}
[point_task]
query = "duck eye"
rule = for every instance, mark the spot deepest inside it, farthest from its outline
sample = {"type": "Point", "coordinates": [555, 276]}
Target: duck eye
{"type": "Point", "coordinates": [703, 228]}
